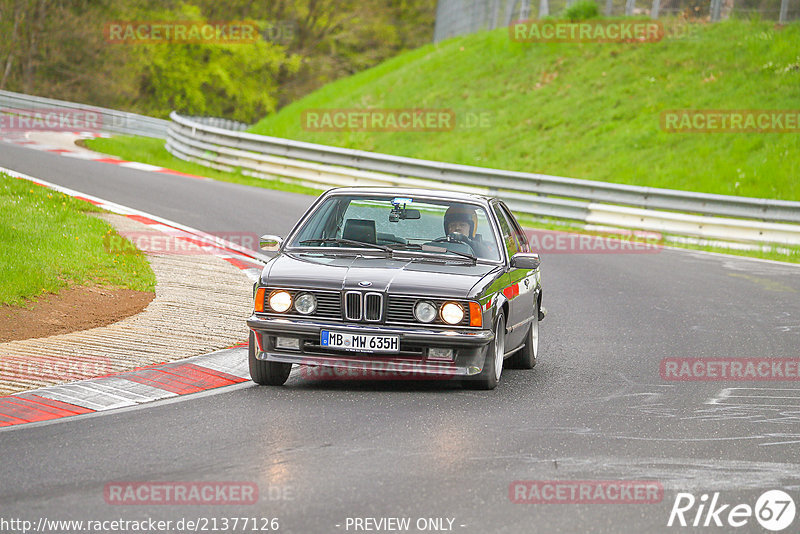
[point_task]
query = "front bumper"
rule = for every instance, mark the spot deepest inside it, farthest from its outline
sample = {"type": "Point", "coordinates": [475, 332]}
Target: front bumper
{"type": "Point", "coordinates": [469, 347]}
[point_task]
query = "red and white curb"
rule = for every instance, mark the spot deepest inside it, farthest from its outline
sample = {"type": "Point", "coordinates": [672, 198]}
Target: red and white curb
{"type": "Point", "coordinates": [146, 384]}
{"type": "Point", "coordinates": [129, 388]}
{"type": "Point", "coordinates": [23, 139]}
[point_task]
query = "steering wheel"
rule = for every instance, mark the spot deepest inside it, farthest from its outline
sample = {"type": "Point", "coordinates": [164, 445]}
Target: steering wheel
{"type": "Point", "coordinates": [454, 237]}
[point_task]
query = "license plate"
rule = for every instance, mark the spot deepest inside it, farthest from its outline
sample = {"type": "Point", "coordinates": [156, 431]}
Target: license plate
{"type": "Point", "coordinates": [359, 342]}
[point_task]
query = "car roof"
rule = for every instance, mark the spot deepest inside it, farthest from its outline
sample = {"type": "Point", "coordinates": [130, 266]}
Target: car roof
{"type": "Point", "coordinates": [412, 192]}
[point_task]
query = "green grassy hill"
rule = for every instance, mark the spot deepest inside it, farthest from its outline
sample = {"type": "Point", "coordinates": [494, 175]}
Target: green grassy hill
{"type": "Point", "coordinates": [587, 110]}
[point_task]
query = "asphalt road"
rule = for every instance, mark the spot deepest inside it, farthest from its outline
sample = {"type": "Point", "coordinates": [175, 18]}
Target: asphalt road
{"type": "Point", "coordinates": [323, 451]}
{"type": "Point", "coordinates": [204, 204]}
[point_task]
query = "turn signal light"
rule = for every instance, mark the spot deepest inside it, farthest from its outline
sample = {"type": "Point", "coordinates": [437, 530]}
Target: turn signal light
{"type": "Point", "coordinates": [260, 299]}
{"type": "Point", "coordinates": [475, 314]}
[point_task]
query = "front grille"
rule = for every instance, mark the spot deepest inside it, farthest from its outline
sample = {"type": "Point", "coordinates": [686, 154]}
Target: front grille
{"type": "Point", "coordinates": [360, 306]}
{"type": "Point", "coordinates": [352, 306]}
{"type": "Point", "coordinates": [329, 305]}
{"type": "Point", "coordinates": [373, 306]}
{"type": "Point", "coordinates": [400, 310]}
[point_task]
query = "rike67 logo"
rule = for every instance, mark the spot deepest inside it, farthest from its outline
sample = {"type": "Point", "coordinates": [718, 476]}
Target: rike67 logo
{"type": "Point", "coordinates": [774, 510]}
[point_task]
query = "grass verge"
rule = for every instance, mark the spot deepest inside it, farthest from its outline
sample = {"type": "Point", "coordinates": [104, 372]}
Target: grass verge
{"type": "Point", "coordinates": [49, 243]}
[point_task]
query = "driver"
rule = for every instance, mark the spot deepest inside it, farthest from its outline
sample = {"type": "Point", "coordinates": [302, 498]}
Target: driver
{"type": "Point", "coordinates": [462, 219]}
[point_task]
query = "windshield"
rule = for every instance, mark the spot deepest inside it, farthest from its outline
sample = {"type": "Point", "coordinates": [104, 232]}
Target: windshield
{"type": "Point", "coordinates": [400, 223]}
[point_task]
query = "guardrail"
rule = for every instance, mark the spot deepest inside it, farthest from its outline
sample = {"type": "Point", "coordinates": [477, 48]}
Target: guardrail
{"type": "Point", "coordinates": [109, 120]}
{"type": "Point", "coordinates": [225, 124]}
{"type": "Point", "coordinates": [597, 203]}
{"type": "Point", "coordinates": [221, 144]}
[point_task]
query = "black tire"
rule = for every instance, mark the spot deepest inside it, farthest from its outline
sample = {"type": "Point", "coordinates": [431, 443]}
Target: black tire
{"type": "Point", "coordinates": [525, 358]}
{"type": "Point", "coordinates": [488, 377]}
{"type": "Point", "coordinates": [266, 373]}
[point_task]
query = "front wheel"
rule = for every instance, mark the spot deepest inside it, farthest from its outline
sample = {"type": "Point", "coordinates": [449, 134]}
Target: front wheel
{"type": "Point", "coordinates": [493, 366]}
{"type": "Point", "coordinates": [266, 373]}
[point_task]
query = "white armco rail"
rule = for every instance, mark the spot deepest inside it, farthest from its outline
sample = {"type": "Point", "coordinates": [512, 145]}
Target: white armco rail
{"type": "Point", "coordinates": [107, 120]}
{"type": "Point", "coordinates": [682, 213]}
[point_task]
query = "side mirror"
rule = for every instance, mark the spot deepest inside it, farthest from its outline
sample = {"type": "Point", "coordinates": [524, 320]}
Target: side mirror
{"type": "Point", "coordinates": [525, 260]}
{"type": "Point", "coordinates": [270, 243]}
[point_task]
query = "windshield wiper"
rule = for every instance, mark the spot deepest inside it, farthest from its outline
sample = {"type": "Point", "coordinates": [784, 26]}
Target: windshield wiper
{"type": "Point", "coordinates": [405, 246]}
{"type": "Point", "coordinates": [433, 248]}
{"type": "Point", "coordinates": [340, 241]}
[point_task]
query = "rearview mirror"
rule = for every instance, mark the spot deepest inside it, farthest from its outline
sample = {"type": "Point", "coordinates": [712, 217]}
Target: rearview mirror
{"type": "Point", "coordinates": [403, 214]}
{"type": "Point", "coordinates": [270, 243]}
{"type": "Point", "coordinates": [525, 260]}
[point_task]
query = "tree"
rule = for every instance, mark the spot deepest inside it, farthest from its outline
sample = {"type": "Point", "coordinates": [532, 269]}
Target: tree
{"type": "Point", "coordinates": [57, 48]}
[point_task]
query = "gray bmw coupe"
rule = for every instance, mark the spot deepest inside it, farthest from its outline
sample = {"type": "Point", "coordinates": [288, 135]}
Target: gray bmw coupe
{"type": "Point", "coordinates": [402, 282]}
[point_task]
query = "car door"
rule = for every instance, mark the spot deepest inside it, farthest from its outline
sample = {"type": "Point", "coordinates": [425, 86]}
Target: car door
{"type": "Point", "coordinates": [512, 280]}
{"type": "Point", "coordinates": [526, 279]}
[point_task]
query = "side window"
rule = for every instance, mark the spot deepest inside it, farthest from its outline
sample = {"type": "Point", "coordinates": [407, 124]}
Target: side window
{"type": "Point", "coordinates": [519, 235]}
{"type": "Point", "coordinates": [508, 238]}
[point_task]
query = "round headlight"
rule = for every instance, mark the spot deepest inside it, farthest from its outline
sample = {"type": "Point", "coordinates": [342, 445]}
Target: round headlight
{"type": "Point", "coordinates": [305, 303]}
{"type": "Point", "coordinates": [280, 301]}
{"type": "Point", "coordinates": [452, 313]}
{"type": "Point", "coordinates": [425, 311]}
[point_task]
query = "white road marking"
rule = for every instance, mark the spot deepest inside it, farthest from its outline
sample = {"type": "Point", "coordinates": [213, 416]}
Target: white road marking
{"type": "Point", "coordinates": [140, 166]}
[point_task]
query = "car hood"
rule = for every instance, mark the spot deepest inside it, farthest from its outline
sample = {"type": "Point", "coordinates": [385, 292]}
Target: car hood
{"type": "Point", "coordinates": [398, 275]}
